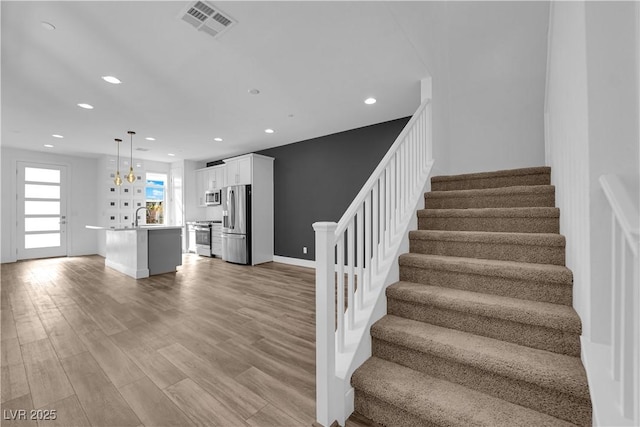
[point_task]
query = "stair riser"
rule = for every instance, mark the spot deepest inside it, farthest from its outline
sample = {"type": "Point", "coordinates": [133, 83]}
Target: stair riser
{"type": "Point", "coordinates": [495, 201]}
{"type": "Point", "coordinates": [503, 252]}
{"type": "Point", "coordinates": [386, 413]}
{"type": "Point", "coordinates": [549, 401]}
{"type": "Point", "coordinates": [515, 288]}
{"type": "Point", "coordinates": [528, 335]}
{"type": "Point", "coordinates": [492, 182]}
{"type": "Point", "coordinates": [502, 225]}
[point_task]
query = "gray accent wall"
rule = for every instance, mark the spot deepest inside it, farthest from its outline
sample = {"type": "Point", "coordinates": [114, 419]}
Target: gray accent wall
{"type": "Point", "coordinates": [317, 179]}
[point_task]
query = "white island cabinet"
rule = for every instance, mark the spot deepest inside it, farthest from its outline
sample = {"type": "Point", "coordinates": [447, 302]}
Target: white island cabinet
{"type": "Point", "coordinates": [144, 251]}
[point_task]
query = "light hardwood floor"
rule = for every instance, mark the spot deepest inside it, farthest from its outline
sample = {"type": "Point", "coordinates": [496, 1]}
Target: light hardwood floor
{"type": "Point", "coordinates": [215, 344]}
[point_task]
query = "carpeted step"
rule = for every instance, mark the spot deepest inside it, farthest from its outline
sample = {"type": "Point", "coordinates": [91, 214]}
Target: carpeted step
{"type": "Point", "coordinates": [502, 178]}
{"type": "Point", "coordinates": [397, 396]}
{"type": "Point", "coordinates": [515, 220]}
{"type": "Point", "coordinates": [504, 197]}
{"type": "Point", "coordinates": [539, 248]}
{"type": "Point", "coordinates": [536, 282]}
{"type": "Point", "coordinates": [547, 382]}
{"type": "Point", "coordinates": [541, 325]}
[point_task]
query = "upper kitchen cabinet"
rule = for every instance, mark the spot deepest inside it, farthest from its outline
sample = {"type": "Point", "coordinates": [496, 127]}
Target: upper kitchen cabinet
{"type": "Point", "coordinates": [217, 177]}
{"type": "Point", "coordinates": [202, 177]}
{"type": "Point", "coordinates": [209, 179]}
{"type": "Point", "coordinates": [239, 170]}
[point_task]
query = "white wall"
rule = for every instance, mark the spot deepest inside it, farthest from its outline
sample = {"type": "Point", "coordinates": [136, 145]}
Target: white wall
{"type": "Point", "coordinates": [612, 50]}
{"type": "Point", "coordinates": [497, 62]}
{"type": "Point", "coordinates": [487, 61]}
{"type": "Point", "coordinates": [82, 200]}
{"type": "Point", "coordinates": [592, 130]}
{"type": "Point", "coordinates": [568, 142]}
{"type": "Point", "coordinates": [424, 24]}
{"type": "Point", "coordinates": [192, 211]}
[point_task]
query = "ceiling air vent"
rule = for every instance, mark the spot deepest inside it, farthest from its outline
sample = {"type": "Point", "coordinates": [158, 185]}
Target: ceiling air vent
{"type": "Point", "coordinates": [207, 17]}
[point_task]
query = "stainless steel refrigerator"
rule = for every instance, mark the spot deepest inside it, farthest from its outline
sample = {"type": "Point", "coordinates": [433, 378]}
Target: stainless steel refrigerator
{"type": "Point", "coordinates": [236, 224]}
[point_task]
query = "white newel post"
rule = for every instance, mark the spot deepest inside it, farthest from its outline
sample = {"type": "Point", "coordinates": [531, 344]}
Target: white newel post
{"type": "Point", "coordinates": [325, 323]}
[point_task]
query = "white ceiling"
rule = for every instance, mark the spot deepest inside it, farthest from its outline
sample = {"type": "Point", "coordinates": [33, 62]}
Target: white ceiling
{"type": "Point", "coordinates": [316, 61]}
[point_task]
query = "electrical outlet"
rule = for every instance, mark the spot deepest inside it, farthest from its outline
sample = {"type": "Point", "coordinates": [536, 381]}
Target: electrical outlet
{"type": "Point", "coordinates": [304, 249]}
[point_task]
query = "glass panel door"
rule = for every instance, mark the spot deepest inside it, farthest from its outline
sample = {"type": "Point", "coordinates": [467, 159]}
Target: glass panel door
{"type": "Point", "coordinates": [41, 206]}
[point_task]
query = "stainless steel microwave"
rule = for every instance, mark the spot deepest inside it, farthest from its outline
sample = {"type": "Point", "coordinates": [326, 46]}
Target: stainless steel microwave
{"type": "Point", "coordinates": [212, 197]}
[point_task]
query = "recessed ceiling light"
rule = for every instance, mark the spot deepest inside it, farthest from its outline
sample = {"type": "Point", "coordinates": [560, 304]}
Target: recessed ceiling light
{"type": "Point", "coordinates": [47, 25]}
{"type": "Point", "coordinates": [150, 138]}
{"type": "Point", "coordinates": [170, 154]}
{"type": "Point", "coordinates": [55, 135]}
{"type": "Point", "coordinates": [253, 91]}
{"type": "Point", "coordinates": [370, 101]}
{"type": "Point", "coordinates": [269, 130]}
{"type": "Point", "coordinates": [111, 79]}
{"type": "Point", "coordinates": [48, 145]}
{"type": "Point", "coordinates": [217, 139]}
{"type": "Point", "coordinates": [86, 106]}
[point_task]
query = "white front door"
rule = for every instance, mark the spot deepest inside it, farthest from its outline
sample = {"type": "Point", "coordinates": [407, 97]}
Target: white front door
{"type": "Point", "coordinates": [41, 210]}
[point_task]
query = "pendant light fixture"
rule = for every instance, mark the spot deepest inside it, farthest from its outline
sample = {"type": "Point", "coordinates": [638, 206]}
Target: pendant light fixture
{"type": "Point", "coordinates": [131, 176]}
{"type": "Point", "coordinates": [117, 180]}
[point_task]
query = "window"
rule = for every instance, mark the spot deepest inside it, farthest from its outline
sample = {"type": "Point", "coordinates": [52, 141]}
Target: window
{"type": "Point", "coordinates": [155, 197]}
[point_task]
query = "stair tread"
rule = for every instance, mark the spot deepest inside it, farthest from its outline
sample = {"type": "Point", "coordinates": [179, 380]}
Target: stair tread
{"type": "Point", "coordinates": [537, 239]}
{"type": "Point", "coordinates": [488, 267]}
{"type": "Point", "coordinates": [529, 212]}
{"type": "Point", "coordinates": [546, 369]}
{"type": "Point", "coordinates": [555, 316]}
{"type": "Point", "coordinates": [493, 174]}
{"type": "Point", "coordinates": [499, 191]}
{"type": "Point", "coordinates": [431, 398]}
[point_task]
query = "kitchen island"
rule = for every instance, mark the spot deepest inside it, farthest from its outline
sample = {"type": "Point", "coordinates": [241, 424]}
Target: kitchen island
{"type": "Point", "coordinates": [144, 251]}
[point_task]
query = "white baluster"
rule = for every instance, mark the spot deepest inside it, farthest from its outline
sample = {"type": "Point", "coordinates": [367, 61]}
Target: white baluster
{"type": "Point", "coordinates": [615, 302]}
{"type": "Point", "coordinates": [388, 195]}
{"type": "Point", "coordinates": [350, 283]}
{"type": "Point", "coordinates": [394, 193]}
{"type": "Point", "coordinates": [627, 350]}
{"type": "Point", "coordinates": [340, 291]}
{"type": "Point", "coordinates": [360, 253]}
{"type": "Point", "coordinates": [367, 240]}
{"type": "Point", "coordinates": [376, 209]}
{"type": "Point", "coordinates": [383, 215]}
{"type": "Point", "coordinates": [621, 313]}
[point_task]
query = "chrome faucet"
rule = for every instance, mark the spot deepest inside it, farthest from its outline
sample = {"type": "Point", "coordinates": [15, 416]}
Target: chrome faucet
{"type": "Point", "coordinates": [138, 210]}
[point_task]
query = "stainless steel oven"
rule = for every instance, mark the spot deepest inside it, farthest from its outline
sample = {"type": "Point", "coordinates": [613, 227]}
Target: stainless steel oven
{"type": "Point", "coordinates": [203, 238]}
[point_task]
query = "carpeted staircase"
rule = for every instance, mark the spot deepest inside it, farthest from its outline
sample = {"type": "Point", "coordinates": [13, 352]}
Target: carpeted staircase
{"type": "Point", "coordinates": [480, 328]}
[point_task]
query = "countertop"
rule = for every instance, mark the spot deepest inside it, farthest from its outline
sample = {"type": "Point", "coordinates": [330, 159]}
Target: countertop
{"type": "Point", "coordinates": [141, 227]}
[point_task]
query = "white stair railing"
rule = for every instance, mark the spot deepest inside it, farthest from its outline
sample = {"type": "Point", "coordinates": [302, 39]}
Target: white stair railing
{"type": "Point", "coordinates": [624, 358]}
{"type": "Point", "coordinates": [354, 258]}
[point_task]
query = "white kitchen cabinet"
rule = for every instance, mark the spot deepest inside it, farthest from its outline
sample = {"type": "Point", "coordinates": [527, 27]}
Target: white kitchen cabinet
{"type": "Point", "coordinates": [239, 170]}
{"type": "Point", "coordinates": [191, 245]}
{"type": "Point", "coordinates": [216, 240]}
{"type": "Point", "coordinates": [216, 177]}
{"type": "Point", "coordinates": [202, 177]}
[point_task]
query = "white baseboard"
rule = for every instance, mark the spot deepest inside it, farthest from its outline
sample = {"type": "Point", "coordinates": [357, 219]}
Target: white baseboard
{"type": "Point", "coordinates": [294, 261]}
